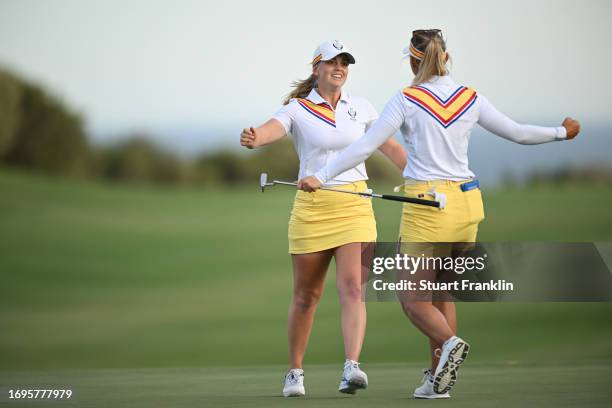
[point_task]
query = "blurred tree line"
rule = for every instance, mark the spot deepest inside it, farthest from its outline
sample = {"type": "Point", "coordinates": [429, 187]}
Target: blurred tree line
{"type": "Point", "coordinates": [593, 174]}
{"type": "Point", "coordinates": [39, 132]}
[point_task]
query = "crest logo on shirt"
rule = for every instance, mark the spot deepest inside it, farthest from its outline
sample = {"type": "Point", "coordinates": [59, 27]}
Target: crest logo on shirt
{"type": "Point", "coordinates": [338, 45]}
{"type": "Point", "coordinates": [352, 113]}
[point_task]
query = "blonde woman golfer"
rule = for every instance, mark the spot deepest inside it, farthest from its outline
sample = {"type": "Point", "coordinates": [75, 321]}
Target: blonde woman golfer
{"type": "Point", "coordinates": [323, 120]}
{"type": "Point", "coordinates": [436, 116]}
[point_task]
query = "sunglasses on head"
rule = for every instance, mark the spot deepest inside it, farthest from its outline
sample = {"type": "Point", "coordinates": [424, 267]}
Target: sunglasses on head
{"type": "Point", "coordinates": [428, 33]}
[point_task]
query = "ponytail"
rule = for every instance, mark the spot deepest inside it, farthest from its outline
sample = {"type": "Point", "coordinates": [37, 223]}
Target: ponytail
{"type": "Point", "coordinates": [434, 59]}
{"type": "Point", "coordinates": [301, 88]}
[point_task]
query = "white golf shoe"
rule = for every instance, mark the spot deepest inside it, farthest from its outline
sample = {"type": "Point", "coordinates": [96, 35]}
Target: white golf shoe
{"type": "Point", "coordinates": [426, 390]}
{"type": "Point", "coordinates": [454, 353]}
{"type": "Point", "coordinates": [294, 383]}
{"type": "Point", "coordinates": [353, 378]}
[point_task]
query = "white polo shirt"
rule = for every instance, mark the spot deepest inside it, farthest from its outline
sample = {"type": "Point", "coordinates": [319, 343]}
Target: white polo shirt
{"type": "Point", "coordinates": [321, 133]}
{"type": "Point", "coordinates": [436, 120]}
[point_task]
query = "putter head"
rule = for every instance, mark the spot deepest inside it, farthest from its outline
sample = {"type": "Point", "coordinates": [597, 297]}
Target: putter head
{"type": "Point", "coordinates": [263, 180]}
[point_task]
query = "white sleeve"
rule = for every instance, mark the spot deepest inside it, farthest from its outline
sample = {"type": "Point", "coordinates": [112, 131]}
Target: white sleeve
{"type": "Point", "coordinates": [285, 116]}
{"type": "Point", "coordinates": [389, 122]}
{"type": "Point", "coordinates": [496, 122]}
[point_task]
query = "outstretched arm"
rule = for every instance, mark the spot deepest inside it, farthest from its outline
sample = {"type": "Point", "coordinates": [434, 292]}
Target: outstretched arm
{"type": "Point", "coordinates": [386, 126]}
{"type": "Point", "coordinates": [358, 151]}
{"type": "Point", "coordinates": [496, 122]}
{"type": "Point", "coordinates": [269, 132]}
{"type": "Point", "coordinates": [389, 122]}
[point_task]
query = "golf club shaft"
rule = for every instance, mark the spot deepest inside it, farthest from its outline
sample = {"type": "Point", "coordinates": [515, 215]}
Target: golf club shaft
{"type": "Point", "coordinates": [420, 201]}
{"type": "Point", "coordinates": [328, 189]}
{"type": "Point", "coordinates": [286, 183]}
{"type": "Point", "coordinates": [430, 203]}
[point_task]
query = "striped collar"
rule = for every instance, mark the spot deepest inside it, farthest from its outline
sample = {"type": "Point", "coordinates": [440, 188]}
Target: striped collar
{"type": "Point", "coordinates": [314, 97]}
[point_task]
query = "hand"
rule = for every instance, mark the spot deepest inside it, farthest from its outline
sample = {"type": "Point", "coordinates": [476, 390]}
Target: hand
{"type": "Point", "coordinates": [572, 127]}
{"type": "Point", "coordinates": [248, 138]}
{"type": "Point", "coordinates": [309, 184]}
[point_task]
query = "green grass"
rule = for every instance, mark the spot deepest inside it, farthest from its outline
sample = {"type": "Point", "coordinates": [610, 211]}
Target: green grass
{"type": "Point", "coordinates": [391, 385]}
{"type": "Point", "coordinates": [106, 276]}
{"type": "Point", "coordinates": [548, 213]}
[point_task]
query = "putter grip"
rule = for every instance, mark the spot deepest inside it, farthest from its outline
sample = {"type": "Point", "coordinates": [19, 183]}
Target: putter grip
{"type": "Point", "coordinates": [429, 203]}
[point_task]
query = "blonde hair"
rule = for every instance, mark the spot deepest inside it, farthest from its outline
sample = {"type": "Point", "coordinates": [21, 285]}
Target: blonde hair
{"type": "Point", "coordinates": [301, 88]}
{"type": "Point", "coordinates": [433, 46]}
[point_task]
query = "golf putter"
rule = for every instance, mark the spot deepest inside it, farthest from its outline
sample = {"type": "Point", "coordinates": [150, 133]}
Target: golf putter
{"type": "Point", "coordinates": [439, 200]}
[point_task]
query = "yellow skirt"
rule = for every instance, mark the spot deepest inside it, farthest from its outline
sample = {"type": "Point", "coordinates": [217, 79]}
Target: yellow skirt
{"type": "Point", "coordinates": [326, 219]}
{"type": "Point", "coordinates": [458, 222]}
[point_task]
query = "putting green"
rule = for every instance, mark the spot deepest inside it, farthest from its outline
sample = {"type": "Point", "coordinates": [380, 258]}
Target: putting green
{"type": "Point", "coordinates": [580, 384]}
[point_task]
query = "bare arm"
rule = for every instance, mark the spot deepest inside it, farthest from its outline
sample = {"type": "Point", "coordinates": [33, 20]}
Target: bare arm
{"type": "Point", "coordinates": [395, 152]}
{"type": "Point", "coordinates": [269, 132]}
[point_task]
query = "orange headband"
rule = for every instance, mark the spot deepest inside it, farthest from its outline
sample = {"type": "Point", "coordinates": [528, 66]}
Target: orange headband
{"type": "Point", "coordinates": [414, 52]}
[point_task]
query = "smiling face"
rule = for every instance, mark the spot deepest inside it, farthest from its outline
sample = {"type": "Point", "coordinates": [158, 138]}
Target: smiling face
{"type": "Point", "coordinates": [332, 73]}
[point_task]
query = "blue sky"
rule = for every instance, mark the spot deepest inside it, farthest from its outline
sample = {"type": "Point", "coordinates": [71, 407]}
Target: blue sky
{"type": "Point", "coordinates": [215, 67]}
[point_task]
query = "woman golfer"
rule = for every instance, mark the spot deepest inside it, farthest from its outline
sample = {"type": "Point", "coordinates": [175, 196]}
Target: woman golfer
{"type": "Point", "coordinates": [436, 116]}
{"type": "Point", "coordinates": [324, 120]}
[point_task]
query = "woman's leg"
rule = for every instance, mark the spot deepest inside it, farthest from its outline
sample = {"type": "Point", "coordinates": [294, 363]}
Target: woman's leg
{"type": "Point", "coordinates": [429, 320]}
{"type": "Point", "coordinates": [419, 308]}
{"type": "Point", "coordinates": [348, 283]}
{"type": "Point", "coordinates": [308, 277]}
{"type": "Point", "coordinates": [450, 314]}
